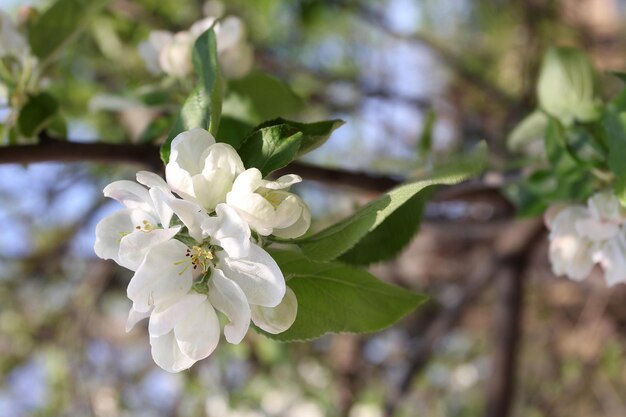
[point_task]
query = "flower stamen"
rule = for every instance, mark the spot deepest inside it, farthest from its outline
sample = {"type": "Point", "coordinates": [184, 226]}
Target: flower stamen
{"type": "Point", "coordinates": [200, 257]}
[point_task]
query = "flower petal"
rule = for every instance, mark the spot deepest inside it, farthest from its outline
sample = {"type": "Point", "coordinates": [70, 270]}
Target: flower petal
{"type": "Point", "coordinates": [198, 334]}
{"type": "Point", "coordinates": [130, 194]}
{"type": "Point", "coordinates": [150, 49]}
{"type": "Point", "coordinates": [112, 229]}
{"type": "Point", "coordinates": [175, 56]}
{"type": "Point", "coordinates": [276, 319]}
{"type": "Point", "coordinates": [201, 26]}
{"type": "Point", "coordinates": [283, 182]}
{"type": "Point", "coordinates": [605, 206]}
{"type": "Point", "coordinates": [191, 214]}
{"type": "Point", "coordinates": [180, 181]}
{"type": "Point", "coordinates": [210, 192]}
{"type": "Point", "coordinates": [135, 317]}
{"type": "Point", "coordinates": [293, 218]}
{"type": "Point", "coordinates": [167, 354]}
{"type": "Point", "coordinates": [570, 253]}
{"type": "Point", "coordinates": [597, 230]}
{"type": "Point", "coordinates": [133, 247]}
{"type": "Point", "coordinates": [162, 209]}
{"type": "Point", "coordinates": [228, 298]}
{"type": "Point", "coordinates": [224, 158]}
{"type": "Point", "coordinates": [166, 315]}
{"type": "Point", "coordinates": [612, 257]}
{"type": "Point", "coordinates": [152, 180]}
{"type": "Point", "coordinates": [188, 148]}
{"type": "Point", "coordinates": [257, 275]}
{"type": "Point", "coordinates": [254, 209]}
{"type": "Point", "coordinates": [161, 276]}
{"type": "Point", "coordinates": [248, 181]}
{"type": "Point", "coordinates": [221, 165]}
{"type": "Point", "coordinates": [229, 231]}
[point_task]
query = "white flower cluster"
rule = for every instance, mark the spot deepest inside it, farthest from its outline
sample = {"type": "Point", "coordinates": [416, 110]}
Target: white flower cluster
{"type": "Point", "coordinates": [12, 42]}
{"type": "Point", "coordinates": [194, 244]}
{"type": "Point", "coordinates": [171, 53]}
{"type": "Point", "coordinates": [581, 236]}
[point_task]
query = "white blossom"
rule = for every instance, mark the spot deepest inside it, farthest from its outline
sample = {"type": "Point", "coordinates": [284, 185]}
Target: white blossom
{"type": "Point", "coordinates": [570, 253]}
{"type": "Point", "coordinates": [12, 42]}
{"type": "Point", "coordinates": [267, 206]}
{"type": "Point", "coordinates": [127, 235]}
{"type": "Point", "coordinates": [193, 253]}
{"type": "Point", "coordinates": [171, 53]}
{"type": "Point", "coordinates": [581, 236]}
{"type": "Point", "coordinates": [234, 276]}
{"type": "Point", "coordinates": [201, 170]}
{"type": "Point", "coordinates": [175, 56]}
{"type": "Point", "coordinates": [235, 54]}
{"type": "Point", "coordinates": [150, 49]}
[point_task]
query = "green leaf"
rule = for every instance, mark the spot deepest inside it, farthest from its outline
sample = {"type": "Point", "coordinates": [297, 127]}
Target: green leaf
{"type": "Point", "coordinates": [567, 86]}
{"type": "Point", "coordinates": [530, 130]}
{"type": "Point", "coordinates": [387, 219]}
{"type": "Point", "coordinates": [36, 113]}
{"type": "Point", "coordinates": [334, 298]}
{"type": "Point", "coordinates": [393, 234]}
{"type": "Point", "coordinates": [275, 143]}
{"type": "Point", "coordinates": [615, 125]}
{"type": "Point", "coordinates": [314, 134]}
{"type": "Point", "coordinates": [203, 107]}
{"type": "Point", "coordinates": [563, 159]}
{"type": "Point", "coordinates": [233, 131]}
{"type": "Point", "coordinates": [270, 148]}
{"type": "Point", "coordinates": [59, 25]}
{"type": "Point", "coordinates": [269, 96]}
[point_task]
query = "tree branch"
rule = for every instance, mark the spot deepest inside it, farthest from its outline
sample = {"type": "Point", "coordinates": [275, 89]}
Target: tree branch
{"type": "Point", "coordinates": [49, 149]}
{"type": "Point", "coordinates": [63, 151]}
{"type": "Point", "coordinates": [445, 321]}
{"type": "Point", "coordinates": [507, 317]}
{"type": "Point", "coordinates": [511, 249]}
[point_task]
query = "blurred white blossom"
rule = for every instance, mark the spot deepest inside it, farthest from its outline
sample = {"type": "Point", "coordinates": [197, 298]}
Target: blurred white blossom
{"type": "Point", "coordinates": [581, 236]}
{"type": "Point", "coordinates": [12, 42]}
{"type": "Point", "coordinates": [171, 53]}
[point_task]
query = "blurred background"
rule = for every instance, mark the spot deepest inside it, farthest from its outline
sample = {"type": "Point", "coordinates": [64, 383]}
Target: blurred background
{"type": "Point", "coordinates": [501, 336]}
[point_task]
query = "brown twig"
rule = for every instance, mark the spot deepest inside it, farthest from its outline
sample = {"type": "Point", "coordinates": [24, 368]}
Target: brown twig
{"type": "Point", "coordinates": [507, 319]}
{"type": "Point", "coordinates": [511, 250]}
{"type": "Point", "coordinates": [148, 155]}
{"type": "Point", "coordinates": [53, 150]}
{"type": "Point", "coordinates": [445, 321]}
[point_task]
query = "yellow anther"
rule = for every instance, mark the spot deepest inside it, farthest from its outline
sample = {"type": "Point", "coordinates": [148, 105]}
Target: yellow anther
{"type": "Point", "coordinates": [147, 226]}
{"type": "Point", "coordinates": [201, 257]}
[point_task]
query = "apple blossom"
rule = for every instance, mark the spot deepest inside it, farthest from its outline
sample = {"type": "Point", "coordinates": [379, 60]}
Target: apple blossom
{"type": "Point", "coordinates": [218, 268]}
{"type": "Point", "coordinates": [581, 236]}
{"type": "Point", "coordinates": [171, 53]}
{"type": "Point", "coordinates": [193, 253]}
{"type": "Point", "coordinates": [125, 236]}
{"type": "Point", "coordinates": [570, 253]}
{"type": "Point", "coordinates": [201, 170]}
{"type": "Point", "coordinates": [150, 49]}
{"type": "Point", "coordinates": [12, 42]}
{"type": "Point", "coordinates": [267, 206]}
